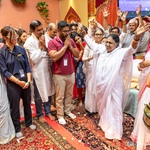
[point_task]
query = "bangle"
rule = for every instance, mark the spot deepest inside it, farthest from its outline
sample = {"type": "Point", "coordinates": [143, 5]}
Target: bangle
{"type": "Point", "coordinates": [28, 82]}
{"type": "Point", "coordinates": [135, 40]}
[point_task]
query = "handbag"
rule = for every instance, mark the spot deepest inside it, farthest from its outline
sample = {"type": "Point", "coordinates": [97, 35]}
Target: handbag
{"type": "Point", "coordinates": [146, 115]}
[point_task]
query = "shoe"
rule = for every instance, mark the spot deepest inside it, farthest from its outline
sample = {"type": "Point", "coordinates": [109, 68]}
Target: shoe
{"type": "Point", "coordinates": [62, 121]}
{"type": "Point", "coordinates": [32, 127]}
{"type": "Point", "coordinates": [19, 135]}
{"type": "Point", "coordinates": [72, 116]}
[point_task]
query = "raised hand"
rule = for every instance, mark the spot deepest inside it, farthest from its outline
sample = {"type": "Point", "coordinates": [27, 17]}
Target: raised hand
{"type": "Point", "coordinates": [124, 16]}
{"type": "Point", "coordinates": [80, 26]}
{"type": "Point", "coordinates": [138, 10]}
{"type": "Point", "coordinates": [67, 42]}
{"type": "Point", "coordinates": [105, 12]}
{"type": "Point", "coordinates": [93, 22]}
{"type": "Point", "coordinates": [142, 29]}
{"type": "Point", "coordinates": [42, 42]}
{"type": "Point", "coordinates": [119, 12]}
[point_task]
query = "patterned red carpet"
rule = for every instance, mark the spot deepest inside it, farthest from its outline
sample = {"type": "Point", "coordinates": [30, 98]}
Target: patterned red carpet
{"type": "Point", "coordinates": [86, 129]}
{"type": "Point", "coordinates": [43, 138]}
{"type": "Point", "coordinates": [81, 133]}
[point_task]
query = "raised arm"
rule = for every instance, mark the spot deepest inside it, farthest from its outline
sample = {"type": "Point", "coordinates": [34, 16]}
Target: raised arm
{"type": "Point", "coordinates": [123, 18]}
{"type": "Point", "coordinates": [140, 30]}
{"type": "Point", "coordinates": [105, 15]}
{"type": "Point", "coordinates": [119, 13]}
{"type": "Point", "coordinates": [97, 48]}
{"type": "Point", "coordinates": [138, 12]}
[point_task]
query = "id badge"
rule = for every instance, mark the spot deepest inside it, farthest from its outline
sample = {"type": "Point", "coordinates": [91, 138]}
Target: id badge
{"type": "Point", "coordinates": [65, 62]}
{"type": "Point", "coordinates": [22, 74]}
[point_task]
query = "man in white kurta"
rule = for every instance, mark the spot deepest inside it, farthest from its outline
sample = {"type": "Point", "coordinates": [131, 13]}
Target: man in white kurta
{"type": "Point", "coordinates": [40, 66]}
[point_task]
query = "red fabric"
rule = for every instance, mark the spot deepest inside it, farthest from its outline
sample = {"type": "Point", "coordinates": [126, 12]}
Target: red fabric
{"type": "Point", "coordinates": [75, 93]}
{"type": "Point", "coordinates": [80, 93]}
{"type": "Point", "coordinates": [99, 2]}
{"type": "Point", "coordinates": [84, 44]}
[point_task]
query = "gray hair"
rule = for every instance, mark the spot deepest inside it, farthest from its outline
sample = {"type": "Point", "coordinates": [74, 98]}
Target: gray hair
{"type": "Point", "coordinates": [50, 26]}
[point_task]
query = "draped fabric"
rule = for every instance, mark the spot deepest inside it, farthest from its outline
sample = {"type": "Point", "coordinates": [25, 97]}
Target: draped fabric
{"type": "Point", "coordinates": [99, 2]}
{"type": "Point", "coordinates": [143, 77]}
{"type": "Point", "coordinates": [7, 131]}
{"type": "Point", "coordinates": [90, 100]}
{"type": "Point", "coordinates": [113, 76]}
{"type": "Point", "coordinates": [140, 133]}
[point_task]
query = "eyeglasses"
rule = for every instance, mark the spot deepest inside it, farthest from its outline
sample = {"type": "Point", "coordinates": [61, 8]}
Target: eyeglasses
{"type": "Point", "coordinates": [13, 37]}
{"type": "Point", "coordinates": [98, 34]}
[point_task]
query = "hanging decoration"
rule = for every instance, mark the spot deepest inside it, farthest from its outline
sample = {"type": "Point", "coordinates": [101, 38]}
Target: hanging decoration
{"type": "Point", "coordinates": [42, 7]}
{"type": "Point", "coordinates": [19, 1]}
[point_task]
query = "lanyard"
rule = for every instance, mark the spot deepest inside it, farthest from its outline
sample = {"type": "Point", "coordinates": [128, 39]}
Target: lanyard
{"type": "Point", "coordinates": [5, 47]}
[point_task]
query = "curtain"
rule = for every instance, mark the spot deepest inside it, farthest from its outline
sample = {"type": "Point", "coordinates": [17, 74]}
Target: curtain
{"type": "Point", "coordinates": [99, 2]}
{"type": "Point", "coordinates": [112, 7]}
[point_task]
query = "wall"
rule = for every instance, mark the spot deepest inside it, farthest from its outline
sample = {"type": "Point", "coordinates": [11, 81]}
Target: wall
{"type": "Point", "coordinates": [80, 6]}
{"type": "Point", "coordinates": [22, 15]}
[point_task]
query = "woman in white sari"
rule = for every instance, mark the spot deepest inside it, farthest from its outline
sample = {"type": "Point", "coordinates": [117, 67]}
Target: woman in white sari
{"type": "Point", "coordinates": [113, 76]}
{"type": "Point", "coordinates": [7, 131]}
{"type": "Point", "coordinates": [141, 134]}
{"type": "Point", "coordinates": [89, 60]}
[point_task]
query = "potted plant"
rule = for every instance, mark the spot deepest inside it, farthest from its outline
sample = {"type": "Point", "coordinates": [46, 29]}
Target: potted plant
{"type": "Point", "coordinates": [42, 7]}
{"type": "Point", "coordinates": [19, 1]}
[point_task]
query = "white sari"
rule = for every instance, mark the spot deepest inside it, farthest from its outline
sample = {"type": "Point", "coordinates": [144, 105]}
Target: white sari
{"type": "Point", "coordinates": [7, 131]}
{"type": "Point", "coordinates": [141, 134]}
{"type": "Point", "coordinates": [113, 76]}
{"type": "Point", "coordinates": [90, 99]}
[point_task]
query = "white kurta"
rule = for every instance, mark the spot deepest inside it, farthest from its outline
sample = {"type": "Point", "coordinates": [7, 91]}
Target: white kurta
{"type": "Point", "coordinates": [47, 39]}
{"type": "Point", "coordinates": [40, 66]}
{"type": "Point", "coordinates": [113, 75]}
{"type": "Point", "coordinates": [7, 130]}
{"type": "Point", "coordinates": [90, 99]}
{"type": "Point", "coordinates": [141, 134]}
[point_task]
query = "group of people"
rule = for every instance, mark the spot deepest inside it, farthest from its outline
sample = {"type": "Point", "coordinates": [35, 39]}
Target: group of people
{"type": "Point", "coordinates": [69, 60]}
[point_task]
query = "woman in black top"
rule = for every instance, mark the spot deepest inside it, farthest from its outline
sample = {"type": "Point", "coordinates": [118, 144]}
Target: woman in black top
{"type": "Point", "coordinates": [15, 67]}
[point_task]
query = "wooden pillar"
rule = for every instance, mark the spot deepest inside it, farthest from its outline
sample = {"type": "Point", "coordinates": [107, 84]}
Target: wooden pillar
{"type": "Point", "coordinates": [91, 9]}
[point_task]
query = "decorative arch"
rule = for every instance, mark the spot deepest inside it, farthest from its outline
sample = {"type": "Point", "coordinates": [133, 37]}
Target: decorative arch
{"type": "Point", "coordinates": [72, 15]}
